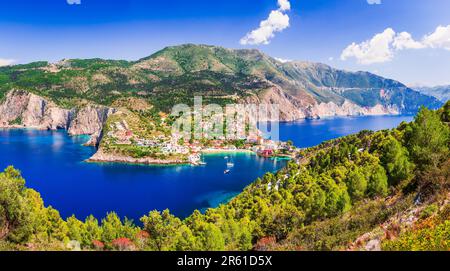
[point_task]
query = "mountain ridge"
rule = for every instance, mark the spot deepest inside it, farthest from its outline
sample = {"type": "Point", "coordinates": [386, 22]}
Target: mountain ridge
{"type": "Point", "coordinates": [440, 92]}
{"type": "Point", "coordinates": [176, 74]}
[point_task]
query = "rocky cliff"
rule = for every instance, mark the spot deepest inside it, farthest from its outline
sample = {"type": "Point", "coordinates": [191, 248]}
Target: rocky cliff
{"type": "Point", "coordinates": [89, 120]}
{"type": "Point", "coordinates": [22, 109]}
{"type": "Point", "coordinates": [292, 108]}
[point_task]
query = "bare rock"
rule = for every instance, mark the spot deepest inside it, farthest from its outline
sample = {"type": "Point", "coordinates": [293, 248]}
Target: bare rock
{"type": "Point", "coordinates": [373, 245]}
{"type": "Point", "coordinates": [32, 111]}
{"type": "Point", "coordinates": [292, 108]}
{"type": "Point", "coordinates": [23, 109]}
{"type": "Point", "coordinates": [89, 120]}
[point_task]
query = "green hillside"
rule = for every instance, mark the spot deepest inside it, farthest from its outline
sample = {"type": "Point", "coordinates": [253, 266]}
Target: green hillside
{"type": "Point", "coordinates": [176, 74]}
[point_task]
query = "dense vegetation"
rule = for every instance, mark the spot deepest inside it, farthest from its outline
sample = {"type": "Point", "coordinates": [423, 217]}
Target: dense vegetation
{"type": "Point", "coordinates": [326, 200]}
{"type": "Point", "coordinates": [171, 76]}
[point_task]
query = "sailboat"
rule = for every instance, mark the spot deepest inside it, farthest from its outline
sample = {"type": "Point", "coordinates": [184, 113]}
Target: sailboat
{"type": "Point", "coordinates": [230, 163]}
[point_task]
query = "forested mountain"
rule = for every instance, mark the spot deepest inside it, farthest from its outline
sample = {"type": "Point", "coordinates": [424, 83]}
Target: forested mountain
{"type": "Point", "coordinates": [374, 190]}
{"type": "Point", "coordinates": [176, 74]}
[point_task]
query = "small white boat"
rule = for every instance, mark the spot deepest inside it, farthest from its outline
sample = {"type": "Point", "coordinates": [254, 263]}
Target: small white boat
{"type": "Point", "coordinates": [227, 171]}
{"type": "Point", "coordinates": [230, 163]}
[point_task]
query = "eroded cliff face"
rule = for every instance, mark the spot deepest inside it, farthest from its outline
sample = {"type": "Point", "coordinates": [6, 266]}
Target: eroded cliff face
{"type": "Point", "coordinates": [21, 109]}
{"type": "Point", "coordinates": [349, 109]}
{"type": "Point", "coordinates": [292, 109]}
{"type": "Point", "coordinates": [89, 120]}
{"type": "Point", "coordinates": [24, 109]}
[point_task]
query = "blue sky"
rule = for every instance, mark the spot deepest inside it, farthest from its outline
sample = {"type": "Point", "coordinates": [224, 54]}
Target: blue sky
{"type": "Point", "coordinates": [314, 30]}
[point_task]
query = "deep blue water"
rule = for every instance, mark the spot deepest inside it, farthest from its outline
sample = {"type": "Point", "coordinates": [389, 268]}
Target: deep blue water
{"type": "Point", "coordinates": [53, 163]}
{"type": "Point", "coordinates": [307, 133]}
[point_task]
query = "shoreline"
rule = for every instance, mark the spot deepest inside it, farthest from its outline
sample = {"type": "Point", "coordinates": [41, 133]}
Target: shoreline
{"type": "Point", "coordinates": [104, 158]}
{"type": "Point", "coordinates": [346, 117]}
{"type": "Point", "coordinates": [224, 151]}
{"type": "Point", "coordinates": [117, 162]}
{"type": "Point", "coordinates": [101, 157]}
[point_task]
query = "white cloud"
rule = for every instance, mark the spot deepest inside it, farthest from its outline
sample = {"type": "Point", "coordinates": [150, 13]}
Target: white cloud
{"type": "Point", "coordinates": [6, 62]}
{"type": "Point", "coordinates": [383, 46]}
{"type": "Point", "coordinates": [277, 21]}
{"type": "Point", "coordinates": [376, 50]}
{"type": "Point", "coordinates": [374, 2]}
{"type": "Point", "coordinates": [440, 38]}
{"type": "Point", "coordinates": [282, 60]}
{"type": "Point", "coordinates": [404, 41]}
{"type": "Point", "coordinates": [284, 5]}
{"type": "Point", "coordinates": [74, 2]}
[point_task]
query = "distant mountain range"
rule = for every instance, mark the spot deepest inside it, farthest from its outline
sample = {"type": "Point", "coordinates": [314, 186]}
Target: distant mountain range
{"type": "Point", "coordinates": [176, 74]}
{"type": "Point", "coordinates": [440, 92]}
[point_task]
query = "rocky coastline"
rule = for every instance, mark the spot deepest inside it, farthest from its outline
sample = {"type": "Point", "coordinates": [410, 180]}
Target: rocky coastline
{"type": "Point", "coordinates": [102, 157]}
{"type": "Point", "coordinates": [22, 109]}
{"type": "Point", "coordinates": [294, 109]}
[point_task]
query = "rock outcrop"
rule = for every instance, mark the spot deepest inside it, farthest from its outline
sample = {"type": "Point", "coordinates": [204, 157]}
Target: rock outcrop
{"type": "Point", "coordinates": [348, 108]}
{"type": "Point", "coordinates": [21, 109]}
{"type": "Point", "coordinates": [89, 120]}
{"type": "Point", "coordinates": [292, 109]}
